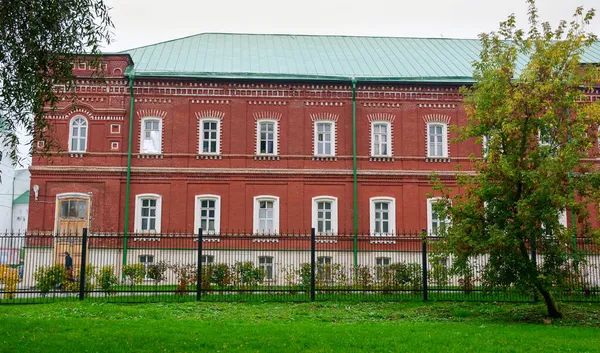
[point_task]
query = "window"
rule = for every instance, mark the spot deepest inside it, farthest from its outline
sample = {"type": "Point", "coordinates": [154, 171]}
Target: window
{"type": "Point", "coordinates": [208, 213]}
{"type": "Point", "coordinates": [324, 272]}
{"type": "Point", "coordinates": [210, 136]}
{"type": "Point", "coordinates": [148, 213]}
{"type": "Point", "coordinates": [324, 138]}
{"type": "Point", "coordinates": [266, 137]}
{"type": "Point", "coordinates": [435, 221]}
{"type": "Point", "coordinates": [383, 215]}
{"type": "Point", "coordinates": [207, 259]}
{"type": "Point", "coordinates": [381, 139]}
{"type": "Point", "coordinates": [381, 263]}
{"type": "Point", "coordinates": [266, 215]}
{"type": "Point", "coordinates": [437, 140]}
{"type": "Point", "coordinates": [146, 260]}
{"type": "Point", "coordinates": [266, 264]}
{"type": "Point", "coordinates": [324, 215]}
{"type": "Point", "coordinates": [79, 133]}
{"type": "Point", "coordinates": [151, 141]}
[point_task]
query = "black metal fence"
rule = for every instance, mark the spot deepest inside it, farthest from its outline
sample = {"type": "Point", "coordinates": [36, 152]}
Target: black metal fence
{"type": "Point", "coordinates": [40, 267]}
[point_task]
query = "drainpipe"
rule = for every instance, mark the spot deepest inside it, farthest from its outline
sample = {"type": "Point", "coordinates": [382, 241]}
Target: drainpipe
{"type": "Point", "coordinates": [12, 207]}
{"type": "Point", "coordinates": [354, 172]}
{"type": "Point", "coordinates": [128, 185]}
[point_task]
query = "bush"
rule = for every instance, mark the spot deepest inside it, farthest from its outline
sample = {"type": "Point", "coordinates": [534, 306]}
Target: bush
{"type": "Point", "coordinates": [248, 274]}
{"type": "Point", "coordinates": [220, 275]}
{"type": "Point", "coordinates": [304, 274]}
{"type": "Point", "coordinates": [90, 277]}
{"type": "Point", "coordinates": [49, 277]}
{"type": "Point", "coordinates": [186, 276]}
{"type": "Point", "coordinates": [156, 272]}
{"type": "Point", "coordinates": [10, 278]}
{"type": "Point", "coordinates": [134, 274]}
{"type": "Point", "coordinates": [107, 280]}
{"type": "Point", "coordinates": [363, 277]}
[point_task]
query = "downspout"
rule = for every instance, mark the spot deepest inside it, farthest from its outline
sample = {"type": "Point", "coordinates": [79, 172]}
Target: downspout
{"type": "Point", "coordinates": [354, 172]}
{"type": "Point", "coordinates": [12, 206]}
{"type": "Point", "coordinates": [128, 183]}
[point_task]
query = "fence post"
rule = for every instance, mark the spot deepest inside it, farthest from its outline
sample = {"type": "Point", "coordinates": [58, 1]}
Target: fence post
{"type": "Point", "coordinates": [82, 265]}
{"type": "Point", "coordinates": [534, 261]}
{"type": "Point", "coordinates": [199, 275]}
{"type": "Point", "coordinates": [312, 264]}
{"type": "Point", "coordinates": [424, 259]}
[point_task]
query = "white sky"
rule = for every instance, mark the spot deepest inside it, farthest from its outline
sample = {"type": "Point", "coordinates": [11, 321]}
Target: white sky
{"type": "Point", "coordinates": [142, 22]}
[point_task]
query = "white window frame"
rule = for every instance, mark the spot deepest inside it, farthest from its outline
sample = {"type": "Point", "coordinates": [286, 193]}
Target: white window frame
{"type": "Point", "coordinates": [146, 263]}
{"type": "Point", "coordinates": [218, 139]}
{"type": "Point", "coordinates": [197, 208]}
{"type": "Point", "coordinates": [391, 216]}
{"type": "Point", "coordinates": [143, 134]}
{"type": "Point", "coordinates": [79, 137]}
{"type": "Point", "coordinates": [275, 136]}
{"type": "Point", "coordinates": [334, 214]}
{"type": "Point", "coordinates": [430, 203]}
{"type": "Point", "coordinates": [332, 131]}
{"type": "Point", "coordinates": [264, 265]}
{"type": "Point", "coordinates": [381, 268]}
{"type": "Point", "coordinates": [444, 139]}
{"type": "Point", "coordinates": [255, 220]}
{"type": "Point", "coordinates": [138, 212]}
{"type": "Point", "coordinates": [388, 136]}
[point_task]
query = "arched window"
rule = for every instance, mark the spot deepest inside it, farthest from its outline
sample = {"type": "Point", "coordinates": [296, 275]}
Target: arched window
{"type": "Point", "coordinates": [325, 215]}
{"type": "Point", "coordinates": [382, 215]}
{"type": "Point", "coordinates": [208, 214]}
{"type": "Point", "coordinates": [148, 211]}
{"type": "Point", "coordinates": [266, 214]}
{"type": "Point", "coordinates": [78, 134]}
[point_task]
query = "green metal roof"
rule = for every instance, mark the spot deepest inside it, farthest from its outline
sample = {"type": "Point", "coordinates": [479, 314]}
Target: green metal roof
{"type": "Point", "coordinates": [23, 199]}
{"type": "Point", "coordinates": [279, 56]}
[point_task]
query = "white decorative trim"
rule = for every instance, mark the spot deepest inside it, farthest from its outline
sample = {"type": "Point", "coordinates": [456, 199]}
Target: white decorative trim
{"type": "Point", "coordinates": [267, 115]}
{"type": "Point", "coordinates": [118, 128]}
{"type": "Point", "coordinates": [438, 118]}
{"type": "Point", "coordinates": [334, 213]}
{"type": "Point", "coordinates": [200, 139]}
{"type": "Point", "coordinates": [215, 114]}
{"type": "Point", "coordinates": [324, 116]}
{"type": "Point", "coordinates": [381, 117]}
{"type": "Point", "coordinates": [437, 106]}
{"type": "Point", "coordinates": [144, 113]}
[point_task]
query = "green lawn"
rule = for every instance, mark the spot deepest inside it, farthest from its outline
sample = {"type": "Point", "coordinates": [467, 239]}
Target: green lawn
{"type": "Point", "coordinates": [297, 327]}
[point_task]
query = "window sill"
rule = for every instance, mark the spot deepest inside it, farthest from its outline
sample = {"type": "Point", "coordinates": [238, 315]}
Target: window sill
{"type": "Point", "coordinates": [382, 242]}
{"type": "Point", "coordinates": [324, 158]}
{"type": "Point", "coordinates": [381, 159]}
{"type": "Point", "coordinates": [264, 157]}
{"type": "Point", "coordinates": [208, 156]}
{"type": "Point", "coordinates": [147, 238]}
{"type": "Point", "coordinates": [150, 156]}
{"type": "Point", "coordinates": [76, 154]}
{"type": "Point", "coordinates": [326, 241]}
{"type": "Point", "coordinates": [265, 240]}
{"type": "Point", "coordinates": [437, 159]}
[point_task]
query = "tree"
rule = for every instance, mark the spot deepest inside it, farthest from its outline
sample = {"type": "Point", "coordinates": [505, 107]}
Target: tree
{"type": "Point", "coordinates": [39, 41]}
{"type": "Point", "coordinates": [529, 108]}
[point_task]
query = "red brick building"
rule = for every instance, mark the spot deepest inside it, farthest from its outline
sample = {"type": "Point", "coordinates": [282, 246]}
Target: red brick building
{"type": "Point", "coordinates": [256, 133]}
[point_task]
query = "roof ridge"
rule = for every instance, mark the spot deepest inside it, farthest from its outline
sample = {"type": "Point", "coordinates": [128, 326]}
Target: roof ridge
{"type": "Point", "coordinates": [293, 35]}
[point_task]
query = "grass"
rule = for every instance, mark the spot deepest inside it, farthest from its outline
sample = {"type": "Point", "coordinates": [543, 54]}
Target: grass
{"type": "Point", "coordinates": [297, 327]}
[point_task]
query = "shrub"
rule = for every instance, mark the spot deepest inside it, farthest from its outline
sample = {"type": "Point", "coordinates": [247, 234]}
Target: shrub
{"type": "Point", "coordinates": [405, 275]}
{"type": "Point", "coordinates": [221, 275]}
{"type": "Point", "coordinates": [107, 279]}
{"type": "Point", "coordinates": [248, 274]}
{"type": "Point", "coordinates": [90, 277]}
{"type": "Point", "coordinates": [186, 276]}
{"type": "Point", "coordinates": [439, 273]}
{"type": "Point", "coordinates": [207, 276]}
{"type": "Point", "coordinates": [363, 277]}
{"type": "Point", "coordinates": [304, 274]}
{"type": "Point", "coordinates": [135, 274]}
{"type": "Point", "coordinates": [49, 277]}
{"type": "Point", "coordinates": [10, 278]}
{"type": "Point", "coordinates": [157, 271]}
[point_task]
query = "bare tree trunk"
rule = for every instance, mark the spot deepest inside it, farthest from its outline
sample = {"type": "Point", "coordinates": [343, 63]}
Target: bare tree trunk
{"type": "Point", "coordinates": [550, 304]}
